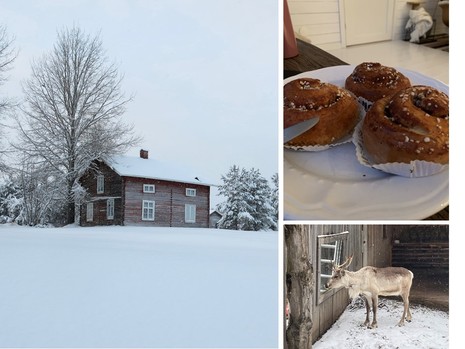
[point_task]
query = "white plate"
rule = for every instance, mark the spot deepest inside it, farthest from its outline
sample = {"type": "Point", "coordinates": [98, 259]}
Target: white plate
{"type": "Point", "coordinates": [332, 184]}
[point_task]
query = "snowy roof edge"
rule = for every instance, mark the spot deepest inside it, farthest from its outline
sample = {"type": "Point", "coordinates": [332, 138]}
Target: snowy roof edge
{"type": "Point", "coordinates": [127, 170]}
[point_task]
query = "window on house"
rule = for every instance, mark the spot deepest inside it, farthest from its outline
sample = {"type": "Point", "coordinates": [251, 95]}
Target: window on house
{"type": "Point", "coordinates": [90, 212]}
{"type": "Point", "coordinates": [191, 192]}
{"type": "Point", "coordinates": [110, 208]}
{"type": "Point", "coordinates": [148, 210]}
{"type": "Point", "coordinates": [100, 184]}
{"type": "Point", "coordinates": [330, 250]}
{"type": "Point", "coordinates": [149, 188]}
{"type": "Point", "coordinates": [189, 213]}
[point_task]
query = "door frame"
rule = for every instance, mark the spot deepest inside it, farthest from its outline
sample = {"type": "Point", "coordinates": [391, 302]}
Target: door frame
{"type": "Point", "coordinates": [342, 21]}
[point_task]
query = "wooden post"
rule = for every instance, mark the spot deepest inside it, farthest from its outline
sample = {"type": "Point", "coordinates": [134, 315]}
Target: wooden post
{"type": "Point", "coordinates": [299, 287]}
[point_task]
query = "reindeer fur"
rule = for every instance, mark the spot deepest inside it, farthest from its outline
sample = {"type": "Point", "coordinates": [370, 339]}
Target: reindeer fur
{"type": "Point", "coordinates": [371, 282]}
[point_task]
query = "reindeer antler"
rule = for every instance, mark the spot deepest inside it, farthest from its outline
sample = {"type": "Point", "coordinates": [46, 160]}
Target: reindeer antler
{"type": "Point", "coordinates": [346, 263]}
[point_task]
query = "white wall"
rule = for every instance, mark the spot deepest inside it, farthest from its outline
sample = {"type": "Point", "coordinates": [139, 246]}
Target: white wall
{"type": "Point", "coordinates": [319, 21]}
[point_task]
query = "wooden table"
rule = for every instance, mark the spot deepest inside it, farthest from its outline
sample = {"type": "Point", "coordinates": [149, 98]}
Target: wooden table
{"type": "Point", "coordinates": [311, 58]}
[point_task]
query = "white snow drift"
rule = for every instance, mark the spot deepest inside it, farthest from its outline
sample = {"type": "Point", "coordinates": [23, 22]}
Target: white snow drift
{"type": "Point", "coordinates": [138, 287]}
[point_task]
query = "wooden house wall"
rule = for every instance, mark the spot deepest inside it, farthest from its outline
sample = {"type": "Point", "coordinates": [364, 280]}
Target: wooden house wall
{"type": "Point", "coordinates": [170, 200]}
{"type": "Point", "coordinates": [112, 189]}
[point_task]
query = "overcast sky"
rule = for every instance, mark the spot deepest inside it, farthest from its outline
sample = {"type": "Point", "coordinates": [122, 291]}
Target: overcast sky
{"type": "Point", "coordinates": [204, 73]}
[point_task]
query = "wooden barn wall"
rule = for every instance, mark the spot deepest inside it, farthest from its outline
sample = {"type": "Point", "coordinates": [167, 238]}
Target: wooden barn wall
{"type": "Point", "coordinates": [420, 233]}
{"type": "Point", "coordinates": [378, 246]}
{"type": "Point", "coordinates": [170, 199]}
{"type": "Point", "coordinates": [420, 246]}
{"type": "Point", "coordinates": [369, 245]}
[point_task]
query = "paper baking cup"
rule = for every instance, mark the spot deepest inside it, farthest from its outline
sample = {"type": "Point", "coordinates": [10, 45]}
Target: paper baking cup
{"type": "Point", "coordinates": [366, 104]}
{"type": "Point", "coordinates": [347, 139]}
{"type": "Point", "coordinates": [319, 147]}
{"type": "Point", "coordinates": [414, 169]}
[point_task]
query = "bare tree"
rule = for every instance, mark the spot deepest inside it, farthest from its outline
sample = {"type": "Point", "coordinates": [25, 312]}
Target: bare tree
{"type": "Point", "coordinates": [41, 196]}
{"type": "Point", "coordinates": [7, 56]}
{"type": "Point", "coordinates": [73, 110]}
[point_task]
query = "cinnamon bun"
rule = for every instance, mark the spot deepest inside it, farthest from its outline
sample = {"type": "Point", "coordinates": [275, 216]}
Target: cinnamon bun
{"type": "Point", "coordinates": [336, 107]}
{"type": "Point", "coordinates": [411, 125]}
{"type": "Point", "coordinates": [373, 81]}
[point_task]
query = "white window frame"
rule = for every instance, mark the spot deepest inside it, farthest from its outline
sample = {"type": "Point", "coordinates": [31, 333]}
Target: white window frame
{"type": "Point", "coordinates": [330, 250]}
{"type": "Point", "coordinates": [190, 213]}
{"type": "Point", "coordinates": [191, 192]}
{"type": "Point", "coordinates": [148, 188]}
{"type": "Point", "coordinates": [90, 212]}
{"type": "Point", "coordinates": [110, 208]}
{"type": "Point", "coordinates": [148, 205]}
{"type": "Point", "coordinates": [100, 184]}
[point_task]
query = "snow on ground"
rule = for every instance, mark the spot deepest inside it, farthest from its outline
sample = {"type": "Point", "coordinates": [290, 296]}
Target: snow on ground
{"type": "Point", "coordinates": [137, 287]}
{"type": "Point", "coordinates": [429, 329]}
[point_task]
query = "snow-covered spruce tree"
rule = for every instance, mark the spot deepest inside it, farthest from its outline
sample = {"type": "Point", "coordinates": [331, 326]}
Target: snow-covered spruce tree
{"type": "Point", "coordinates": [72, 112]}
{"type": "Point", "coordinates": [231, 189]}
{"type": "Point", "coordinates": [258, 197]}
{"type": "Point", "coordinates": [247, 205]}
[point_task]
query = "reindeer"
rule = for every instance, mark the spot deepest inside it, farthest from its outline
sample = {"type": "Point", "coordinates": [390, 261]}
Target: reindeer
{"type": "Point", "coordinates": [371, 282]}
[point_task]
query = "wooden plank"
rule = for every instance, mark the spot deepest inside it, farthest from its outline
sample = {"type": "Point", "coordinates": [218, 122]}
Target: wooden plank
{"type": "Point", "coordinates": [421, 255]}
{"type": "Point", "coordinates": [300, 7]}
{"type": "Point", "coordinates": [324, 18]}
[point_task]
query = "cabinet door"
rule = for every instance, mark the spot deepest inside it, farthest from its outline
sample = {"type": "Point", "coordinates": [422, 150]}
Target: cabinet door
{"type": "Point", "coordinates": [368, 20]}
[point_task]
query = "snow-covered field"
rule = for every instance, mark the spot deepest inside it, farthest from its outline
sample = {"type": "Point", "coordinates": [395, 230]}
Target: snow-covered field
{"type": "Point", "coordinates": [138, 287]}
{"type": "Point", "coordinates": [429, 329]}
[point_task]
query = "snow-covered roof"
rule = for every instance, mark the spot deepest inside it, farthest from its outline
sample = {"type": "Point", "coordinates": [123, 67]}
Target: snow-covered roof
{"type": "Point", "coordinates": [132, 166]}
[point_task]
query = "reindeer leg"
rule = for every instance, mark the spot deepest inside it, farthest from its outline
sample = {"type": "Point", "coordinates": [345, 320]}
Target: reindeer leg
{"type": "Point", "coordinates": [374, 324]}
{"type": "Point", "coordinates": [406, 300]}
{"type": "Point", "coordinates": [409, 316]}
{"type": "Point", "coordinates": [406, 314]}
{"type": "Point", "coordinates": [367, 305]}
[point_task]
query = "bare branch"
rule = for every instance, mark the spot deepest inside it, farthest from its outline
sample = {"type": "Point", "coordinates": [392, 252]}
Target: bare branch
{"type": "Point", "coordinates": [7, 56]}
{"type": "Point", "coordinates": [74, 107]}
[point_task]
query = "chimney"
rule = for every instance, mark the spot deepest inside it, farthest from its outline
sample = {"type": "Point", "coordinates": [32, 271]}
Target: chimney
{"type": "Point", "coordinates": [144, 154]}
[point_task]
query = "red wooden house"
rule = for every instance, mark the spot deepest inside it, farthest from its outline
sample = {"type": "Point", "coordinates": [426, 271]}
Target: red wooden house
{"type": "Point", "coordinates": [141, 191]}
